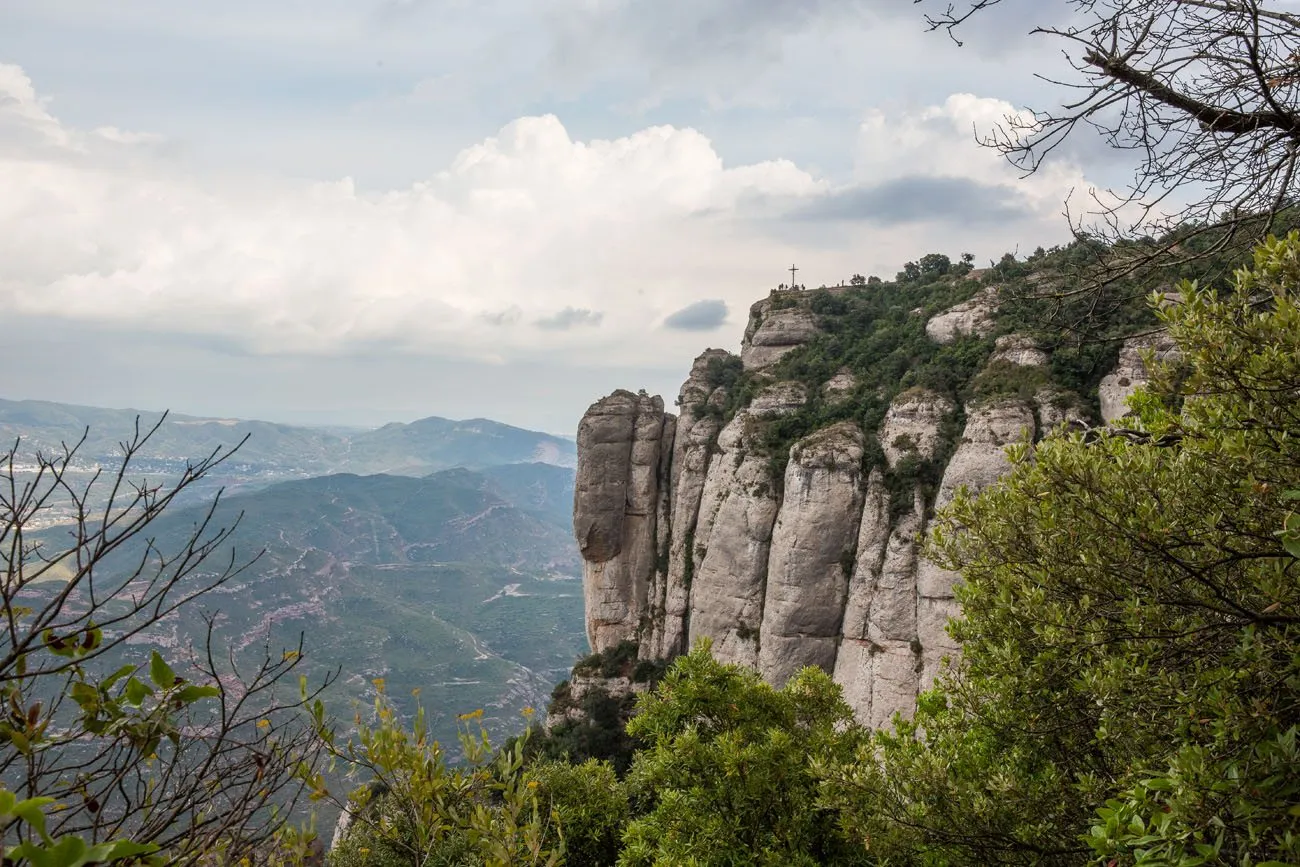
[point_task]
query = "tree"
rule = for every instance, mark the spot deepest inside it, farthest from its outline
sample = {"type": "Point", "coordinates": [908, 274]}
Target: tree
{"type": "Point", "coordinates": [1205, 94]}
{"type": "Point", "coordinates": [934, 265]}
{"type": "Point", "coordinates": [726, 777]}
{"type": "Point", "coordinates": [130, 754]}
{"type": "Point", "coordinates": [911, 272]}
{"type": "Point", "coordinates": [591, 807]}
{"type": "Point", "coordinates": [1130, 677]}
{"type": "Point", "coordinates": [416, 809]}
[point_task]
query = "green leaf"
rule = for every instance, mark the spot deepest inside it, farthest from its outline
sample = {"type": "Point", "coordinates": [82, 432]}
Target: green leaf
{"type": "Point", "coordinates": [18, 739]}
{"type": "Point", "coordinates": [116, 676]}
{"type": "Point", "coordinates": [160, 672]}
{"type": "Point", "coordinates": [193, 693]}
{"type": "Point", "coordinates": [84, 694]}
{"type": "Point", "coordinates": [136, 691]}
{"type": "Point", "coordinates": [30, 811]}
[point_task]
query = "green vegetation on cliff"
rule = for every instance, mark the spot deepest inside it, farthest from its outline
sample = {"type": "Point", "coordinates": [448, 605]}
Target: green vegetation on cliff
{"type": "Point", "coordinates": [1129, 691]}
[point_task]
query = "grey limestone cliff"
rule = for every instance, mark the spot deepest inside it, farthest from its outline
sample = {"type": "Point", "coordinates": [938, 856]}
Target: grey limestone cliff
{"type": "Point", "coordinates": [694, 527]}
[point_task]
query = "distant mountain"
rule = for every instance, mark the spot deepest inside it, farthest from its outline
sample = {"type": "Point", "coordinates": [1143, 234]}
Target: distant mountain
{"type": "Point", "coordinates": [413, 449]}
{"type": "Point", "coordinates": [273, 452]}
{"type": "Point", "coordinates": [434, 443]}
{"type": "Point", "coordinates": [463, 585]}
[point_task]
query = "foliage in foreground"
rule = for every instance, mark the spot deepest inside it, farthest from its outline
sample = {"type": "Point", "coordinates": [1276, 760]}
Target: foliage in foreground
{"type": "Point", "coordinates": [417, 808]}
{"type": "Point", "coordinates": [725, 778]}
{"type": "Point", "coordinates": [107, 754]}
{"type": "Point", "coordinates": [1130, 691]}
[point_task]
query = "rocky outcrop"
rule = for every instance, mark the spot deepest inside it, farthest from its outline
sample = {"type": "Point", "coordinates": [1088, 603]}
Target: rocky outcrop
{"type": "Point", "coordinates": [730, 545]}
{"type": "Point", "coordinates": [1057, 407]}
{"type": "Point", "coordinates": [840, 386]}
{"type": "Point", "coordinates": [973, 317]}
{"type": "Point", "coordinates": [912, 425]}
{"type": "Point", "coordinates": [776, 326]}
{"type": "Point", "coordinates": [1131, 372]}
{"type": "Point", "coordinates": [691, 528]}
{"type": "Point", "coordinates": [979, 461]}
{"type": "Point", "coordinates": [690, 456]}
{"type": "Point", "coordinates": [779, 398]}
{"type": "Point", "coordinates": [811, 555]}
{"type": "Point", "coordinates": [1019, 350]}
{"type": "Point", "coordinates": [615, 505]}
{"type": "Point", "coordinates": [580, 686]}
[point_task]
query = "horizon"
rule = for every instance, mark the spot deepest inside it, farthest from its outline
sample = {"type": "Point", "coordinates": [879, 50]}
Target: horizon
{"type": "Point", "coordinates": [217, 417]}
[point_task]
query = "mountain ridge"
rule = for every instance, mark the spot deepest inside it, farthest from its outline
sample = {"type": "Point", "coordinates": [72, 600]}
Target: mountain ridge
{"type": "Point", "coordinates": [782, 512]}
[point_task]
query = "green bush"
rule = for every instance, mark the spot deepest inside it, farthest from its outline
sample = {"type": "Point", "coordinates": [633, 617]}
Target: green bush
{"type": "Point", "coordinates": [726, 777]}
{"type": "Point", "coordinates": [591, 805]}
{"type": "Point", "coordinates": [1130, 674]}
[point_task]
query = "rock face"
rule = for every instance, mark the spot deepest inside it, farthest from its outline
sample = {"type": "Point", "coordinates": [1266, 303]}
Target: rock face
{"type": "Point", "coordinates": [775, 330]}
{"type": "Point", "coordinates": [730, 546]}
{"type": "Point", "coordinates": [1019, 350]}
{"type": "Point", "coordinates": [811, 556]}
{"type": "Point", "coordinates": [973, 317]}
{"type": "Point", "coordinates": [691, 529]}
{"type": "Point", "coordinates": [616, 500]}
{"type": "Point", "coordinates": [912, 425]}
{"type": "Point", "coordinates": [1131, 373]}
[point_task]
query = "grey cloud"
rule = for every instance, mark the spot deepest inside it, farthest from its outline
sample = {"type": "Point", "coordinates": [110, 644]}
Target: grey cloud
{"type": "Point", "coordinates": [700, 316]}
{"type": "Point", "coordinates": [917, 199]}
{"type": "Point", "coordinates": [508, 316]}
{"type": "Point", "coordinates": [676, 33]}
{"type": "Point", "coordinates": [569, 317]}
{"type": "Point", "coordinates": [48, 361]}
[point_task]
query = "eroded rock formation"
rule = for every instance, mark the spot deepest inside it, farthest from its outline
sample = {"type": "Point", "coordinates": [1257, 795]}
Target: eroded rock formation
{"type": "Point", "coordinates": [1131, 372]}
{"type": "Point", "coordinates": [691, 527]}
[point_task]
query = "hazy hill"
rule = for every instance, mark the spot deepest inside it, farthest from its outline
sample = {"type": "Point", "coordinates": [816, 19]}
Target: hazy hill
{"type": "Point", "coordinates": [273, 452]}
{"type": "Point", "coordinates": [434, 443]}
{"type": "Point", "coordinates": [462, 584]}
{"type": "Point", "coordinates": [417, 448]}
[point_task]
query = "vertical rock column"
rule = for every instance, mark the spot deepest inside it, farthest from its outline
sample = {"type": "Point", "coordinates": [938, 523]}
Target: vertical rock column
{"type": "Point", "coordinates": [879, 662]}
{"type": "Point", "coordinates": [730, 545]}
{"type": "Point", "coordinates": [615, 505]}
{"type": "Point", "coordinates": [650, 631]}
{"type": "Point", "coordinates": [692, 450]}
{"type": "Point", "coordinates": [979, 461]}
{"type": "Point", "coordinates": [812, 553]}
{"type": "Point", "coordinates": [1131, 372]}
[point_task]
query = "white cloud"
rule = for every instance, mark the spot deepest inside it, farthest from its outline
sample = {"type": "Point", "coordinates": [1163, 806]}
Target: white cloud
{"type": "Point", "coordinates": [517, 229]}
{"type": "Point", "coordinates": [941, 141]}
{"type": "Point", "coordinates": [23, 114]}
{"type": "Point", "coordinates": [122, 136]}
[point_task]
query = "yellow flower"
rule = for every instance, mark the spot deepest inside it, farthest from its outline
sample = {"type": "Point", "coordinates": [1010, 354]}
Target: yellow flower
{"type": "Point", "coordinates": [529, 711]}
{"type": "Point", "coordinates": [379, 683]}
{"type": "Point", "coordinates": [263, 723]}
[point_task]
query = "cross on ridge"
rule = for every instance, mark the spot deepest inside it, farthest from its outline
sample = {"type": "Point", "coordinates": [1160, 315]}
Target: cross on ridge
{"type": "Point", "coordinates": [792, 270]}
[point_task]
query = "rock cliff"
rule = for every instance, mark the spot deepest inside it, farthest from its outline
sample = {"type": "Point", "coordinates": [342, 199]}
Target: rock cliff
{"type": "Point", "coordinates": [783, 512]}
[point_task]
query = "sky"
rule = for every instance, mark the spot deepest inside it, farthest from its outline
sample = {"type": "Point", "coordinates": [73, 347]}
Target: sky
{"type": "Point", "coordinates": [362, 211]}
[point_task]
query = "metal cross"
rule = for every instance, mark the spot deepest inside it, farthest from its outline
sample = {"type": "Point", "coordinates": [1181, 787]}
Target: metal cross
{"type": "Point", "coordinates": [792, 270]}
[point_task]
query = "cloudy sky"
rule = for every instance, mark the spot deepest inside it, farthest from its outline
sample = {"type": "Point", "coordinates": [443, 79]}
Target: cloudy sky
{"type": "Point", "coordinates": [359, 211]}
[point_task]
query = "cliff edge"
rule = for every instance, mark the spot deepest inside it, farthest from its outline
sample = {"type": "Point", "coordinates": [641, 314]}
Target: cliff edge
{"type": "Point", "coordinates": [782, 512]}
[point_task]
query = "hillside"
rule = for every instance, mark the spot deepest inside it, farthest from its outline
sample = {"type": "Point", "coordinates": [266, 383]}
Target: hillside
{"type": "Point", "coordinates": [461, 585]}
{"type": "Point", "coordinates": [273, 452]}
